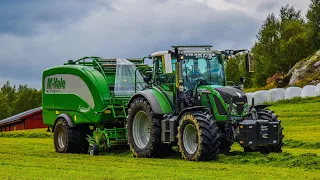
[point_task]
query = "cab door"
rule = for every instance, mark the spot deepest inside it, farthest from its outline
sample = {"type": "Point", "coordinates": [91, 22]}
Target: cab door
{"type": "Point", "coordinates": [164, 76]}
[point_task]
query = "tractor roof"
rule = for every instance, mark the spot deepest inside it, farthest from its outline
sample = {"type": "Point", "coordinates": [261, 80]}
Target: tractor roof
{"type": "Point", "coordinates": [189, 49]}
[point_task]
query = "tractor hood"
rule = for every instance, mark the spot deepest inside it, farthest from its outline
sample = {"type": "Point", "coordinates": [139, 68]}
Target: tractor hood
{"type": "Point", "coordinates": [239, 98]}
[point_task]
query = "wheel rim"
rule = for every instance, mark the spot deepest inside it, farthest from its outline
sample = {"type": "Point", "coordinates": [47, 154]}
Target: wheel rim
{"type": "Point", "coordinates": [61, 138]}
{"type": "Point", "coordinates": [141, 129]}
{"type": "Point", "coordinates": [190, 139]}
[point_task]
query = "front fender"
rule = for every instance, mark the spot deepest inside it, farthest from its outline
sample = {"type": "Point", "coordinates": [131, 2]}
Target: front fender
{"type": "Point", "coordinates": [158, 102]}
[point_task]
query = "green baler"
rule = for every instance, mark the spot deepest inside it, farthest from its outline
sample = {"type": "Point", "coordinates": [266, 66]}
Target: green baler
{"type": "Point", "coordinates": [81, 93]}
{"type": "Point", "coordinates": [182, 100]}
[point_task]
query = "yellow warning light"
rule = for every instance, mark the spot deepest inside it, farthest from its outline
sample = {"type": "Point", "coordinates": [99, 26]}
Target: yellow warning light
{"type": "Point", "coordinates": [75, 118]}
{"type": "Point", "coordinates": [107, 111]}
{"type": "Point", "coordinates": [240, 127]}
{"type": "Point", "coordinates": [57, 112]}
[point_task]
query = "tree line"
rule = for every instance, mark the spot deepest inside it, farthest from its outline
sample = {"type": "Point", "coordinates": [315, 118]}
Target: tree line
{"type": "Point", "coordinates": [14, 100]}
{"type": "Point", "coordinates": [281, 42]}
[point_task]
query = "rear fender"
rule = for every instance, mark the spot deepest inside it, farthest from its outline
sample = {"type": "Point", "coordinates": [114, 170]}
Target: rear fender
{"type": "Point", "coordinates": [66, 117]}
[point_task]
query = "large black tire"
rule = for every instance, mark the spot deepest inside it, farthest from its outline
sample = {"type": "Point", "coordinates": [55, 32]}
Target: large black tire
{"type": "Point", "coordinates": [225, 143]}
{"type": "Point", "coordinates": [269, 115]}
{"type": "Point", "coordinates": [141, 112]}
{"type": "Point", "coordinates": [205, 130]}
{"type": "Point", "coordinates": [70, 140]}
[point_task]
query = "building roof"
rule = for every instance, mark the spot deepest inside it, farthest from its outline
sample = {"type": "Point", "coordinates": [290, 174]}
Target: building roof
{"type": "Point", "coordinates": [20, 116]}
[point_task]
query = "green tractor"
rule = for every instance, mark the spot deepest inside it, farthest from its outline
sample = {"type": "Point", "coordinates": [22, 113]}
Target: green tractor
{"type": "Point", "coordinates": [182, 100]}
{"type": "Point", "coordinates": [188, 103]}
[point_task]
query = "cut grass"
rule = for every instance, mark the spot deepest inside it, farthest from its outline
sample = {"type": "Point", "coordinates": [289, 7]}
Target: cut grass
{"type": "Point", "coordinates": [35, 158]}
{"type": "Point", "coordinates": [300, 119]}
{"type": "Point", "coordinates": [34, 133]}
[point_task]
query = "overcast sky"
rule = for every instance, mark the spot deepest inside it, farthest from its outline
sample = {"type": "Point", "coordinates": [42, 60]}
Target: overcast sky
{"type": "Point", "coordinates": [37, 34]}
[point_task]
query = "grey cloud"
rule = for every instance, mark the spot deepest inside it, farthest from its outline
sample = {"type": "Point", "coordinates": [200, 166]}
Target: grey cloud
{"type": "Point", "coordinates": [266, 6]}
{"type": "Point", "coordinates": [23, 17]}
{"type": "Point", "coordinates": [129, 29]}
{"type": "Point", "coordinates": [234, 1]}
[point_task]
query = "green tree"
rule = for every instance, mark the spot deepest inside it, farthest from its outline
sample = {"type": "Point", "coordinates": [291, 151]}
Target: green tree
{"type": "Point", "coordinates": [236, 68]}
{"type": "Point", "coordinates": [14, 101]}
{"type": "Point", "coordinates": [281, 43]}
{"type": "Point", "coordinates": [294, 43]}
{"type": "Point", "coordinates": [26, 99]}
{"type": "Point", "coordinates": [313, 16]}
{"type": "Point", "coordinates": [4, 106]}
{"type": "Point", "coordinates": [10, 93]}
{"type": "Point", "coordinates": [267, 50]}
{"type": "Point", "coordinates": [232, 70]}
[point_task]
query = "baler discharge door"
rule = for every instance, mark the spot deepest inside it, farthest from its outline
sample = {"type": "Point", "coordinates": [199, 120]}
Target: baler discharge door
{"type": "Point", "coordinates": [128, 79]}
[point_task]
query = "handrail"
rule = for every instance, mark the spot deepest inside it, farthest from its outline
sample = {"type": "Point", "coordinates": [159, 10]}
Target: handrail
{"type": "Point", "coordinates": [95, 64]}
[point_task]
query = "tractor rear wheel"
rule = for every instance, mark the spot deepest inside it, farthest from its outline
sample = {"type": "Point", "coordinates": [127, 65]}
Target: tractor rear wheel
{"type": "Point", "coordinates": [144, 130]}
{"type": "Point", "coordinates": [198, 137]}
{"type": "Point", "coordinates": [70, 140]}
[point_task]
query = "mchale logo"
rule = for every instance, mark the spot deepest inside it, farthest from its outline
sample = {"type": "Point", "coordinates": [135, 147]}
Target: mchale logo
{"type": "Point", "coordinates": [55, 83]}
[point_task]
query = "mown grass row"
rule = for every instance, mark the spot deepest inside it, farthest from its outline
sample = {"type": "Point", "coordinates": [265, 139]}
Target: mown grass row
{"type": "Point", "coordinates": [301, 144]}
{"type": "Point", "coordinates": [35, 158]}
{"type": "Point", "coordinates": [44, 148]}
{"type": "Point", "coordinates": [300, 118]}
{"type": "Point", "coordinates": [34, 133]}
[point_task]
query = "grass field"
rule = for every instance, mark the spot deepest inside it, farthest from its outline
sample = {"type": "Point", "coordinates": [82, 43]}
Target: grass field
{"type": "Point", "coordinates": [35, 158]}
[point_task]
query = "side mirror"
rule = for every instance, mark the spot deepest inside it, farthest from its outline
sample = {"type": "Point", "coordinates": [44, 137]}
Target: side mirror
{"type": "Point", "coordinates": [249, 62]}
{"type": "Point", "coordinates": [167, 63]}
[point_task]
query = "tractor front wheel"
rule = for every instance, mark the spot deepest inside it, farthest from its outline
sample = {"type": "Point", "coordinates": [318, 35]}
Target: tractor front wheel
{"type": "Point", "coordinates": [198, 137]}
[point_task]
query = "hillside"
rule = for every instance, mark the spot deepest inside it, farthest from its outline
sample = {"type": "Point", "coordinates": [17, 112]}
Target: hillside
{"type": "Point", "coordinates": [305, 72]}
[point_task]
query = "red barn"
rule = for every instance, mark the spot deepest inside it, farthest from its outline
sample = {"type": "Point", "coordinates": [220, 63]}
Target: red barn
{"type": "Point", "coordinates": [31, 119]}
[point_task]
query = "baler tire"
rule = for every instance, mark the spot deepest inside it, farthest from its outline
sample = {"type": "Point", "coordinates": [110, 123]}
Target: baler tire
{"type": "Point", "coordinates": [207, 140]}
{"type": "Point", "coordinates": [153, 147]}
{"type": "Point", "coordinates": [93, 150]}
{"type": "Point", "coordinates": [74, 140]}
